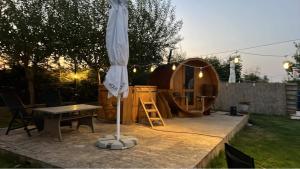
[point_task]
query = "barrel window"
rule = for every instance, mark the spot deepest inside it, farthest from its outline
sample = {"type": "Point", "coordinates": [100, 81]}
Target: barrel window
{"type": "Point", "coordinates": [189, 77]}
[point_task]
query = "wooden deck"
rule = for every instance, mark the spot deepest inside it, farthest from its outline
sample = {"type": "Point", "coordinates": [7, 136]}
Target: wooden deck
{"type": "Point", "coordinates": [183, 143]}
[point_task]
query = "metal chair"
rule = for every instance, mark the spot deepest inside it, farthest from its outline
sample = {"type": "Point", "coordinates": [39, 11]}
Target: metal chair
{"type": "Point", "coordinates": [237, 159]}
{"type": "Point", "coordinates": [20, 118]}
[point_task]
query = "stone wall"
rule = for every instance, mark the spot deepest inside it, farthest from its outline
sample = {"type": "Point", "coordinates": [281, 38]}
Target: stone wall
{"type": "Point", "coordinates": [264, 98]}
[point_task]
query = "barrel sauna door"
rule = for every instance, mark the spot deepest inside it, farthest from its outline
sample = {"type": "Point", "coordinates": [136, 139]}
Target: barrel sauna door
{"type": "Point", "coordinates": [189, 86]}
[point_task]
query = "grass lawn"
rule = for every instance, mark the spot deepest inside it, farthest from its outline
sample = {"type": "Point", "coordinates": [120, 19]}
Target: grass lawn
{"type": "Point", "coordinates": [273, 142]}
{"type": "Point", "coordinates": [11, 162]}
{"type": "Point", "coordinates": [6, 162]}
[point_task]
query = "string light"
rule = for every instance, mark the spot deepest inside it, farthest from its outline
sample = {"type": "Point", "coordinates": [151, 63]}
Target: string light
{"type": "Point", "coordinates": [152, 68]}
{"type": "Point", "coordinates": [174, 67]}
{"type": "Point", "coordinates": [200, 73]}
{"type": "Point", "coordinates": [257, 54]}
{"type": "Point", "coordinates": [236, 60]}
{"type": "Point", "coordinates": [286, 65]}
{"type": "Point", "coordinates": [75, 76]}
{"type": "Point", "coordinates": [253, 47]}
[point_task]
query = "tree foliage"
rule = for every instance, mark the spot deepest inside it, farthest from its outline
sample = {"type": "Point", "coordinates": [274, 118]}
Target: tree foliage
{"type": "Point", "coordinates": [294, 64]}
{"type": "Point", "coordinates": [80, 30]}
{"type": "Point", "coordinates": [153, 28]}
{"type": "Point", "coordinates": [255, 78]}
{"type": "Point", "coordinates": [34, 31]}
{"type": "Point", "coordinates": [22, 31]}
{"type": "Point", "coordinates": [297, 54]}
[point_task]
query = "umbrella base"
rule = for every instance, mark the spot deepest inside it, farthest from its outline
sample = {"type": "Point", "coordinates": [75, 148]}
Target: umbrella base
{"type": "Point", "coordinates": [111, 142]}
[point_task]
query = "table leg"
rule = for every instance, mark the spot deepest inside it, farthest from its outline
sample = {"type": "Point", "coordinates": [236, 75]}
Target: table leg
{"type": "Point", "coordinates": [202, 101]}
{"type": "Point", "coordinates": [86, 121]}
{"type": "Point", "coordinates": [52, 126]}
{"type": "Point", "coordinates": [187, 103]}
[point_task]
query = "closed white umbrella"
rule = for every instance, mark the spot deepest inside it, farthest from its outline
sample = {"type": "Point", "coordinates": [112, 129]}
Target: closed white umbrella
{"type": "Point", "coordinates": [116, 80]}
{"type": "Point", "coordinates": [232, 76]}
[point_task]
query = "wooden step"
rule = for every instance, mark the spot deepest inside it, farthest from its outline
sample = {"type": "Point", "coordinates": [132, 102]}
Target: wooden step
{"type": "Point", "coordinates": [148, 103]}
{"type": "Point", "coordinates": [291, 106]}
{"type": "Point", "coordinates": [291, 93]}
{"type": "Point", "coordinates": [295, 117]}
{"type": "Point", "coordinates": [291, 98]}
{"type": "Point", "coordinates": [291, 87]}
{"type": "Point", "coordinates": [154, 118]}
{"type": "Point", "coordinates": [291, 84]}
{"type": "Point", "coordinates": [291, 103]}
{"type": "Point", "coordinates": [291, 111]}
{"type": "Point", "coordinates": [151, 110]}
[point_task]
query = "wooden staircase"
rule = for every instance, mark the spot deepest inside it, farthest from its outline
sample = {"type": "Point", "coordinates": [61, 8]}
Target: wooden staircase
{"type": "Point", "coordinates": [291, 97]}
{"type": "Point", "coordinates": [152, 112]}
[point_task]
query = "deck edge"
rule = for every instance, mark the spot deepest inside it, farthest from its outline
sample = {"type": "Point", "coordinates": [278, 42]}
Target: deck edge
{"type": "Point", "coordinates": [220, 146]}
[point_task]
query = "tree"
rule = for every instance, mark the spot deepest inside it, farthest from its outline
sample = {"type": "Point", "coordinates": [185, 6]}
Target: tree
{"type": "Point", "coordinates": [81, 26]}
{"type": "Point", "coordinates": [33, 31]}
{"type": "Point", "coordinates": [292, 64]}
{"type": "Point", "coordinates": [98, 58]}
{"type": "Point", "coordinates": [177, 55]}
{"type": "Point", "coordinates": [297, 54]}
{"type": "Point", "coordinates": [153, 29]}
{"type": "Point", "coordinates": [23, 39]}
{"type": "Point", "coordinates": [254, 78]}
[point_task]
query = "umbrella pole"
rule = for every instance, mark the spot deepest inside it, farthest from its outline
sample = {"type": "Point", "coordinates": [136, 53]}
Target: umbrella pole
{"type": "Point", "coordinates": [118, 117]}
{"type": "Point", "coordinates": [115, 142]}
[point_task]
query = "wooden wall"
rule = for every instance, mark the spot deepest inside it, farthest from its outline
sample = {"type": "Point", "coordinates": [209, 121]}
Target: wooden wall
{"type": "Point", "coordinates": [132, 112]}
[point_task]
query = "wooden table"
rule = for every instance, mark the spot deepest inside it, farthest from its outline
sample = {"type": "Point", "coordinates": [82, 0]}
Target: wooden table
{"type": "Point", "coordinates": [53, 116]}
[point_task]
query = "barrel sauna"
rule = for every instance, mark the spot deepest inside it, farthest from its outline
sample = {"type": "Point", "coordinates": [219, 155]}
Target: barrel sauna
{"type": "Point", "coordinates": [186, 93]}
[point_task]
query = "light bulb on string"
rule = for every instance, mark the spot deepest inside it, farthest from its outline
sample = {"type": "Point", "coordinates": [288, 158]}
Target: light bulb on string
{"type": "Point", "coordinates": [286, 65]}
{"type": "Point", "coordinates": [174, 67]}
{"type": "Point", "coordinates": [200, 74]}
{"type": "Point", "coordinates": [152, 68]}
{"type": "Point", "coordinates": [75, 76]}
{"type": "Point", "coordinates": [236, 60]}
{"type": "Point", "coordinates": [134, 70]}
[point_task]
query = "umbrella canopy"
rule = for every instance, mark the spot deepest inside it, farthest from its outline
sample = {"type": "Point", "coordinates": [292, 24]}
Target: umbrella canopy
{"type": "Point", "coordinates": [232, 77]}
{"type": "Point", "coordinates": [116, 80]}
